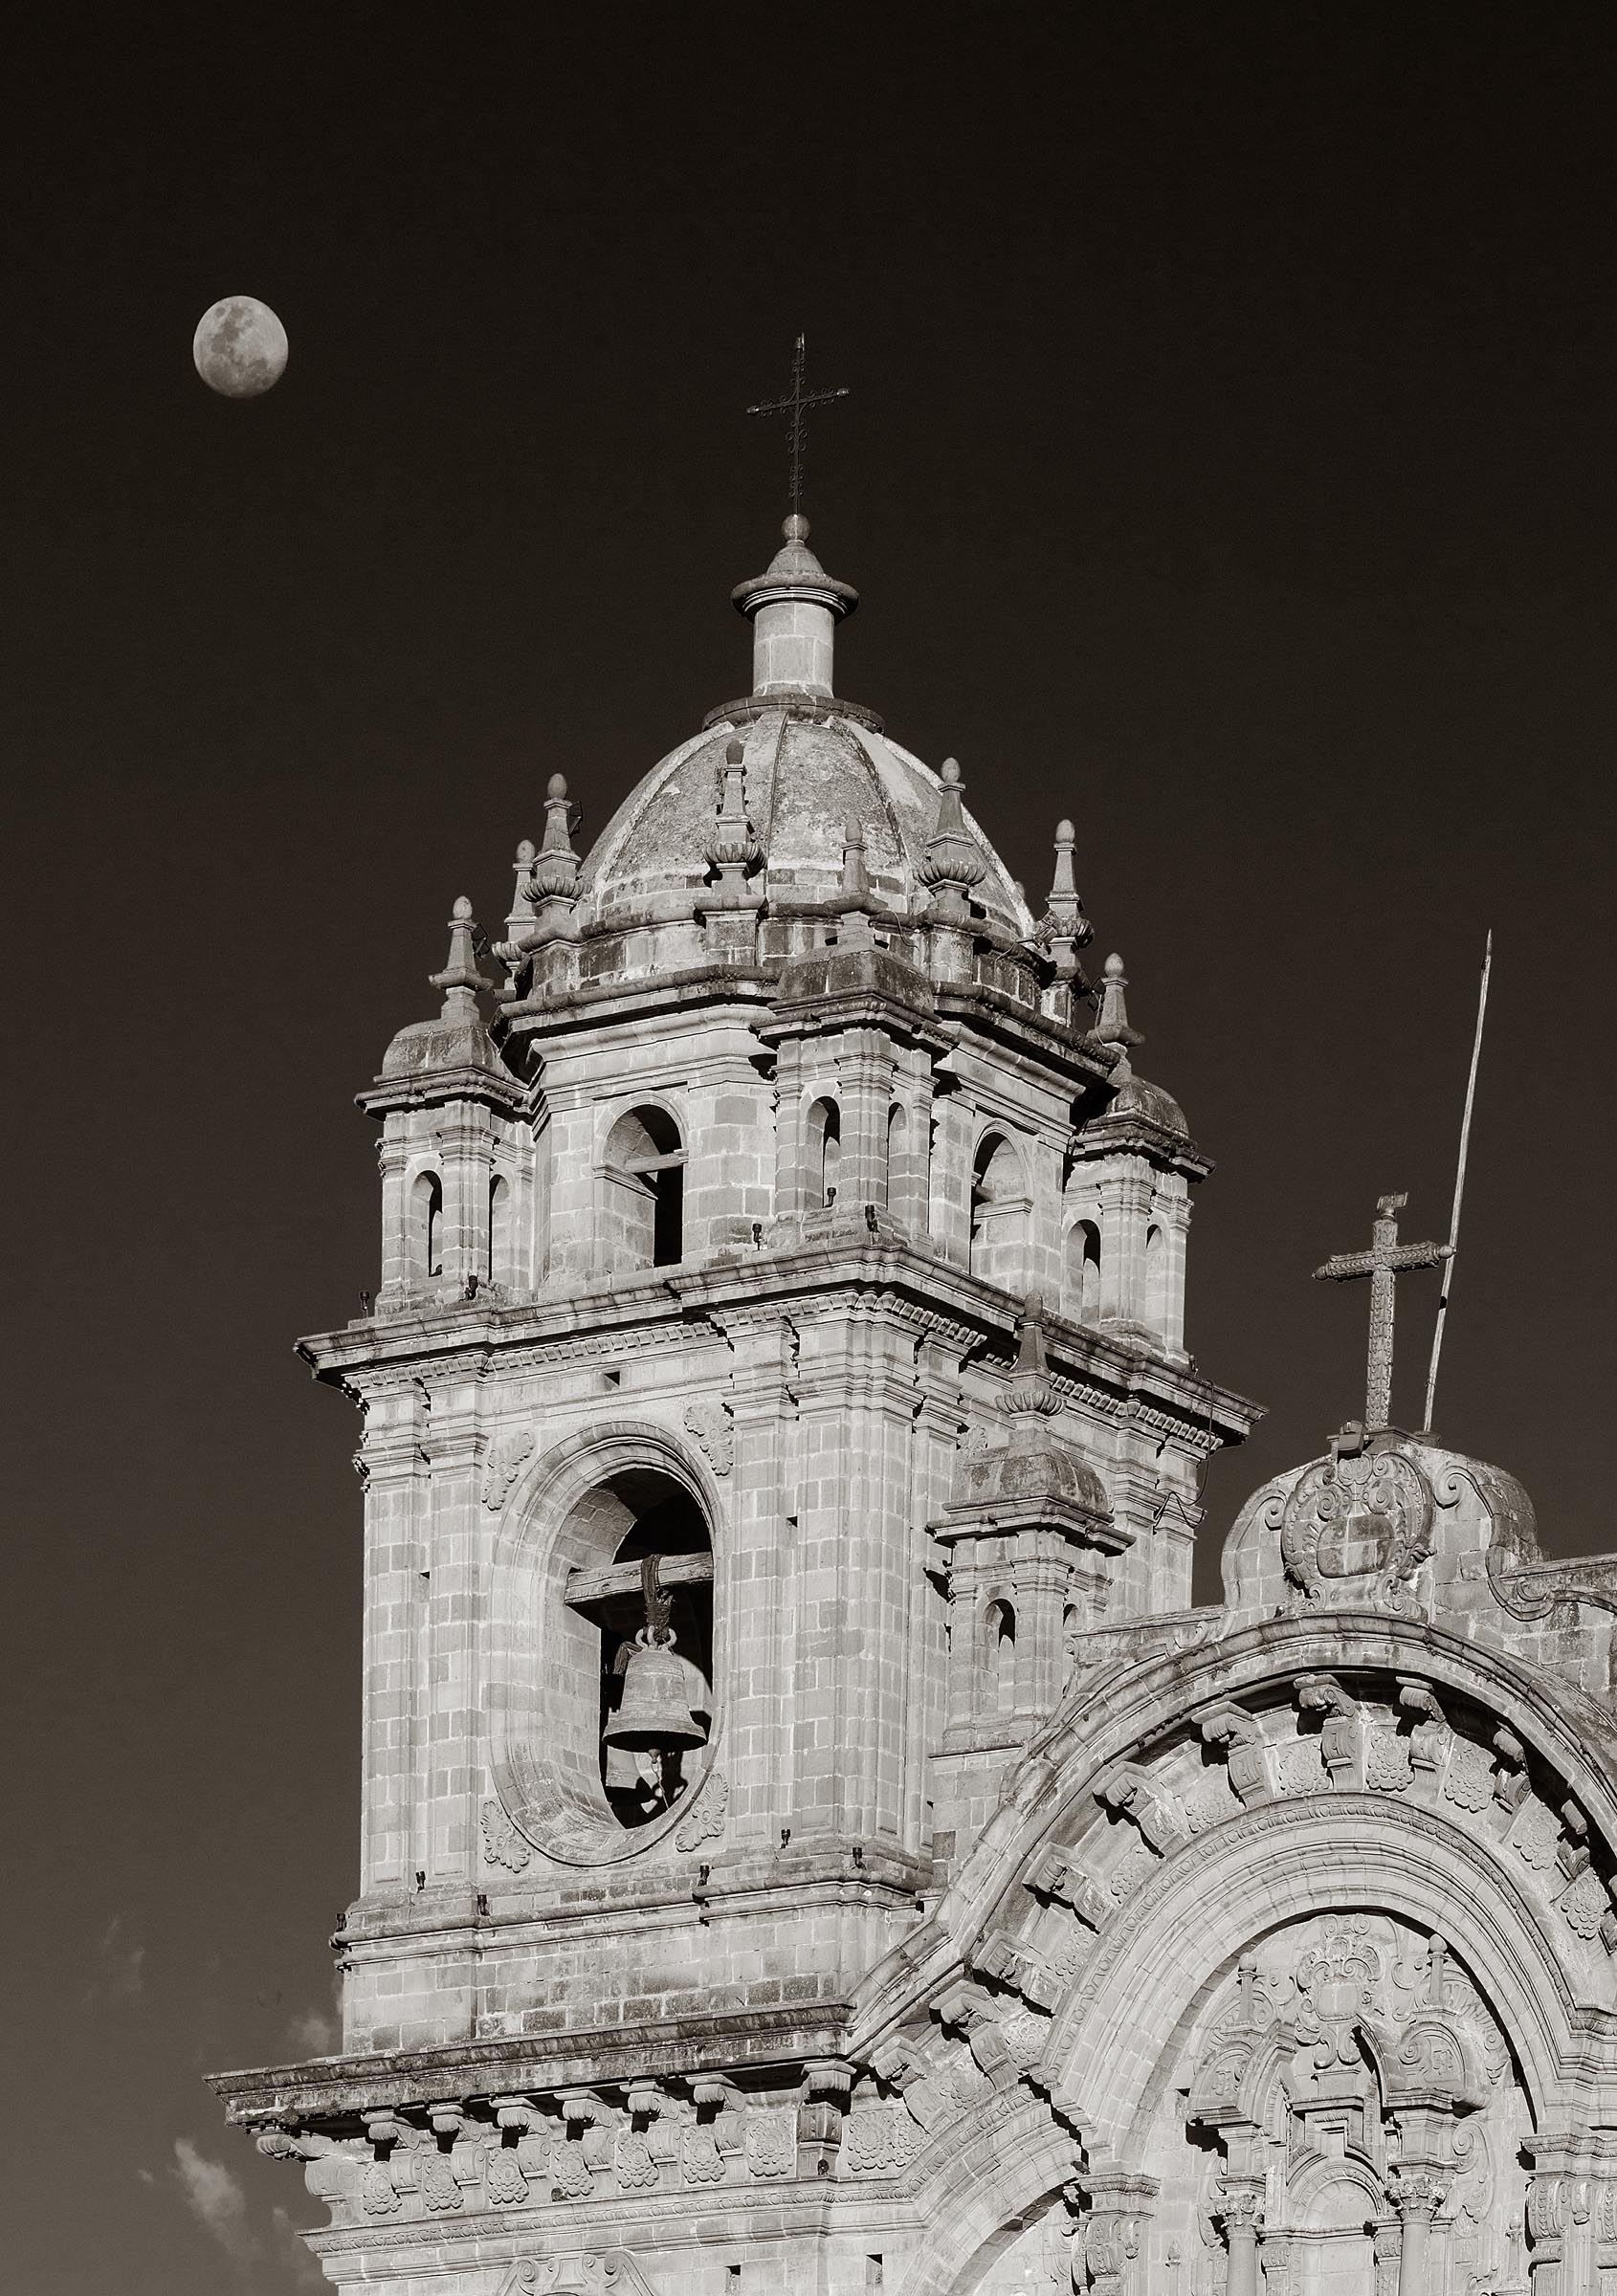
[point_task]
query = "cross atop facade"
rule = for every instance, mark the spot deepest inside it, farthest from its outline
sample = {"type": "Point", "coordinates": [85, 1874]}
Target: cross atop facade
{"type": "Point", "coordinates": [1383, 1263]}
{"type": "Point", "coordinates": [796, 403]}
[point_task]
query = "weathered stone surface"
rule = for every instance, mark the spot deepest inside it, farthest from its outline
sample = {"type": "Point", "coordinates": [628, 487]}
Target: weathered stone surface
{"type": "Point", "coordinates": [999, 1919]}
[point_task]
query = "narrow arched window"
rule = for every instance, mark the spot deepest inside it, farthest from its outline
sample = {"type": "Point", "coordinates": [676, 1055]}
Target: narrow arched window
{"type": "Point", "coordinates": [1082, 1271]}
{"type": "Point", "coordinates": [500, 1229]}
{"type": "Point", "coordinates": [824, 1141]}
{"type": "Point", "coordinates": [1156, 1279]}
{"type": "Point", "coordinates": [645, 1172]}
{"type": "Point", "coordinates": [898, 1200]}
{"type": "Point", "coordinates": [1000, 1205]}
{"type": "Point", "coordinates": [427, 1224]}
{"type": "Point", "coordinates": [1002, 1656]}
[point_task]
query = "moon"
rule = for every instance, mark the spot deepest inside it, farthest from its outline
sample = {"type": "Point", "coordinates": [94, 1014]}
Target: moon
{"type": "Point", "coordinates": [240, 347]}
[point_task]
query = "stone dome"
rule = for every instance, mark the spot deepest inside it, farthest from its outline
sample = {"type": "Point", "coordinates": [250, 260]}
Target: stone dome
{"type": "Point", "coordinates": [812, 769]}
{"type": "Point", "coordinates": [1136, 1097]}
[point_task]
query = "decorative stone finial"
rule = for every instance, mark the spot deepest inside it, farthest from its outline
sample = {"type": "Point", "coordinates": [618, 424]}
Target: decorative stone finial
{"type": "Point", "coordinates": [794, 608]}
{"type": "Point", "coordinates": [520, 924]}
{"type": "Point", "coordinates": [733, 850]}
{"type": "Point", "coordinates": [461, 980]}
{"type": "Point", "coordinates": [1030, 1391]}
{"type": "Point", "coordinates": [953, 861]}
{"type": "Point", "coordinates": [555, 872]}
{"type": "Point", "coordinates": [1111, 1028]}
{"type": "Point", "coordinates": [1065, 929]}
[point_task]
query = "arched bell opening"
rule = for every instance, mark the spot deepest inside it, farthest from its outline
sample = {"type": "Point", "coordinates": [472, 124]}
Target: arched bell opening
{"type": "Point", "coordinates": [1081, 1288]}
{"type": "Point", "coordinates": [823, 1143]}
{"type": "Point", "coordinates": [427, 1225]}
{"type": "Point", "coordinates": [1001, 1207]}
{"type": "Point", "coordinates": [499, 1268]}
{"type": "Point", "coordinates": [644, 1172]}
{"type": "Point", "coordinates": [567, 1597]}
{"type": "Point", "coordinates": [637, 1642]}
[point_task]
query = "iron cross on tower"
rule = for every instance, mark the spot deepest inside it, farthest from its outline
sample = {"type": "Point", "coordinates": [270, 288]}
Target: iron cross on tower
{"type": "Point", "coordinates": [1383, 1263]}
{"type": "Point", "coordinates": [796, 403]}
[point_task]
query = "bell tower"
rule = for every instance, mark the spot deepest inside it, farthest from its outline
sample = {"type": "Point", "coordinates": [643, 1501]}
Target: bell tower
{"type": "Point", "coordinates": [776, 1382]}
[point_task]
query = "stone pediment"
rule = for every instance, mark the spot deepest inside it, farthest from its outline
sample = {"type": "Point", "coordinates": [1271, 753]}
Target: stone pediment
{"type": "Point", "coordinates": [1397, 1523]}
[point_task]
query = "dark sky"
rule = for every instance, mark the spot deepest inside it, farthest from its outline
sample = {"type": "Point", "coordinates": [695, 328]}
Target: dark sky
{"type": "Point", "coordinates": [1229, 463]}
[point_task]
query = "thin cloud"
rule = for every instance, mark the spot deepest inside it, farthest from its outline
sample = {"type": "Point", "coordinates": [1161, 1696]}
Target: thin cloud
{"type": "Point", "coordinates": [291, 2242]}
{"type": "Point", "coordinates": [120, 1966]}
{"type": "Point", "coordinates": [218, 2203]}
{"type": "Point", "coordinates": [313, 2034]}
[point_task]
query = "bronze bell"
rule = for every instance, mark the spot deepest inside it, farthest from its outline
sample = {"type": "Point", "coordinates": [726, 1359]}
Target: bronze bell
{"type": "Point", "coordinates": [654, 1714]}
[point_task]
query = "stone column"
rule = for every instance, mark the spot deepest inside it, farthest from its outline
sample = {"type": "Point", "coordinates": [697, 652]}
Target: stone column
{"type": "Point", "coordinates": [865, 1079]}
{"type": "Point", "coordinates": [1417, 2196]}
{"type": "Point", "coordinates": [1243, 2218]}
{"type": "Point", "coordinates": [1124, 1185]}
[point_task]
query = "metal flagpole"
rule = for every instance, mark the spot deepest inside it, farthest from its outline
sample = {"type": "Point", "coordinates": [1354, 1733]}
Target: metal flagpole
{"type": "Point", "coordinates": [1459, 1186]}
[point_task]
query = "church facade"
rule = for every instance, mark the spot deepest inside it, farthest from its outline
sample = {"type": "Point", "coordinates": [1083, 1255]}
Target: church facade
{"type": "Point", "coordinates": [811, 1838]}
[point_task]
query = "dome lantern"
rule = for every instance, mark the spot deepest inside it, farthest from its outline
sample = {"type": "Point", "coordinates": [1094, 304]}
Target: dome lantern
{"type": "Point", "coordinates": [794, 608]}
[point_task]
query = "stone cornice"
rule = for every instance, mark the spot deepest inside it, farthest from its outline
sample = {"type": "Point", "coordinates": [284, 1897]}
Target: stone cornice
{"type": "Point", "coordinates": [507, 1094]}
{"type": "Point", "coordinates": [338, 2087]}
{"type": "Point", "coordinates": [1106, 1375]}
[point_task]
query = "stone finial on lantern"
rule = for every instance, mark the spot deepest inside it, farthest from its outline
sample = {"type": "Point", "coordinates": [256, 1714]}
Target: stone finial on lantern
{"type": "Point", "coordinates": [556, 866]}
{"type": "Point", "coordinates": [733, 850]}
{"type": "Point", "coordinates": [1111, 1028]}
{"type": "Point", "coordinates": [461, 980]}
{"type": "Point", "coordinates": [1030, 1390]}
{"type": "Point", "coordinates": [1065, 929]}
{"type": "Point", "coordinates": [953, 861]}
{"type": "Point", "coordinates": [524, 917]}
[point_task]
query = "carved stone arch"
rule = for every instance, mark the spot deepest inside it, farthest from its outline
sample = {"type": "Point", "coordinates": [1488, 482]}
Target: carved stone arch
{"type": "Point", "coordinates": [1204, 1906]}
{"type": "Point", "coordinates": [1311, 2188]}
{"type": "Point", "coordinates": [545, 1789]}
{"type": "Point", "coordinates": [1139, 1947]}
{"type": "Point", "coordinates": [979, 2187]}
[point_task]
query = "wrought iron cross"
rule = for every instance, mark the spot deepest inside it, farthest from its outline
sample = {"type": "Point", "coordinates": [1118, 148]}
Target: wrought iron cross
{"type": "Point", "coordinates": [1383, 1263]}
{"type": "Point", "coordinates": [796, 403]}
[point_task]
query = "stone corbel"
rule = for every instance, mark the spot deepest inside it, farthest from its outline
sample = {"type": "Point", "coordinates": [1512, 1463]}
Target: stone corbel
{"type": "Point", "coordinates": [391, 2173]}
{"type": "Point", "coordinates": [591, 2133]}
{"type": "Point", "coordinates": [1131, 1792]}
{"type": "Point", "coordinates": [1511, 1784]}
{"type": "Point", "coordinates": [722, 2102]}
{"type": "Point", "coordinates": [1430, 1736]}
{"type": "Point", "coordinates": [1572, 1855]}
{"type": "Point", "coordinates": [1005, 1962]}
{"type": "Point", "coordinates": [1055, 1873]}
{"type": "Point", "coordinates": [1341, 1735]}
{"type": "Point", "coordinates": [506, 2171]}
{"type": "Point", "coordinates": [970, 2011]}
{"type": "Point", "coordinates": [442, 2171]}
{"type": "Point", "coordinates": [823, 2100]}
{"type": "Point", "coordinates": [1235, 1733]}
